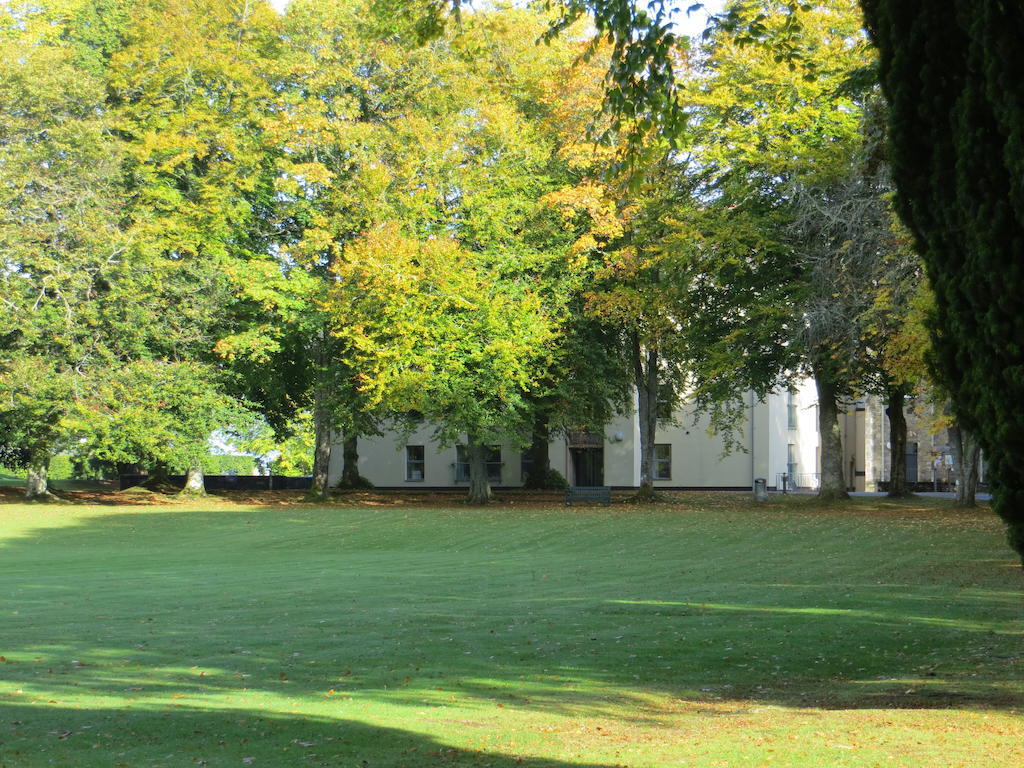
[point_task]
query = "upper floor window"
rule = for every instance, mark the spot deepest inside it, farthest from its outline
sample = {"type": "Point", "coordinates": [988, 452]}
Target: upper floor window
{"type": "Point", "coordinates": [791, 409]}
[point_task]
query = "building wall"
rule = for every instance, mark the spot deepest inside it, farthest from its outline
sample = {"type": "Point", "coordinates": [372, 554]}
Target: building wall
{"type": "Point", "coordinates": [558, 452]}
{"type": "Point", "coordinates": [934, 456]}
{"type": "Point", "coordinates": [698, 459]}
{"type": "Point", "coordinates": [697, 456]}
{"type": "Point", "coordinates": [621, 457]}
{"type": "Point", "coordinates": [876, 436]}
{"type": "Point", "coordinates": [802, 435]}
{"type": "Point", "coordinates": [852, 428]}
{"type": "Point", "coordinates": [866, 442]}
{"type": "Point", "coordinates": [382, 461]}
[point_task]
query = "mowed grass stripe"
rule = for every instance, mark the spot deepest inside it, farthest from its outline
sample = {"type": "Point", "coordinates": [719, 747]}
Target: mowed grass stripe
{"type": "Point", "coordinates": [709, 631]}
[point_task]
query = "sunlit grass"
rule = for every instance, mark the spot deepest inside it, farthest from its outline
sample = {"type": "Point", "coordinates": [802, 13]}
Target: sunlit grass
{"type": "Point", "coordinates": [706, 633]}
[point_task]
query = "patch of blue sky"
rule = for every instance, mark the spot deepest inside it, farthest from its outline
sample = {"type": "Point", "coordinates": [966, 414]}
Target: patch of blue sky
{"type": "Point", "coordinates": [689, 23]}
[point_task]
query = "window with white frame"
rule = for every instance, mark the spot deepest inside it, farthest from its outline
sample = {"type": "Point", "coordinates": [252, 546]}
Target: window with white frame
{"type": "Point", "coordinates": [415, 463]}
{"type": "Point", "coordinates": [791, 409]}
{"type": "Point", "coordinates": [663, 461]}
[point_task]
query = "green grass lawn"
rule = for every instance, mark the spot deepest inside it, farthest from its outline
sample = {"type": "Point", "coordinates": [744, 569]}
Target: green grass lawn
{"type": "Point", "coordinates": [10, 478]}
{"type": "Point", "coordinates": [706, 633]}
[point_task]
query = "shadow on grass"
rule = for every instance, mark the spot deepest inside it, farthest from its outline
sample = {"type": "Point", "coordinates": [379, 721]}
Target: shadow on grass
{"type": "Point", "coordinates": [417, 612]}
{"type": "Point", "coordinates": [33, 736]}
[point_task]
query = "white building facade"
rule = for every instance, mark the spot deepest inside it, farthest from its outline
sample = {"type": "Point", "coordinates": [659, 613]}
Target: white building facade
{"type": "Point", "coordinates": [779, 439]}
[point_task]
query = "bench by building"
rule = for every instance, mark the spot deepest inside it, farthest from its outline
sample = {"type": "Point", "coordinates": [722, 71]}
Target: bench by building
{"type": "Point", "coordinates": [601, 494]}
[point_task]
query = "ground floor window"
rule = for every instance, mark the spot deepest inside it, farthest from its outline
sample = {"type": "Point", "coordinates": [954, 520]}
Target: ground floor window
{"type": "Point", "coordinates": [663, 461]}
{"type": "Point", "coordinates": [492, 459]}
{"type": "Point", "coordinates": [415, 462]}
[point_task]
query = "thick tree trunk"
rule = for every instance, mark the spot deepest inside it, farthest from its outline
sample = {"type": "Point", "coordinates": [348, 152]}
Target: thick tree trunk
{"type": "Point", "coordinates": [195, 484]}
{"type": "Point", "coordinates": [897, 442]}
{"type": "Point", "coordinates": [322, 447]}
{"type": "Point", "coordinates": [540, 457]}
{"type": "Point", "coordinates": [350, 477]}
{"type": "Point", "coordinates": [968, 489]}
{"type": "Point", "coordinates": [323, 420]}
{"type": "Point", "coordinates": [966, 457]}
{"type": "Point", "coordinates": [645, 370]}
{"type": "Point", "coordinates": [833, 485]}
{"type": "Point", "coordinates": [36, 483]}
{"type": "Point", "coordinates": [479, 487]}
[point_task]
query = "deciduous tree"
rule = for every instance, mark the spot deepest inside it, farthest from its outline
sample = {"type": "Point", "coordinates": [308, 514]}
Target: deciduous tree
{"type": "Point", "coordinates": [437, 329]}
{"type": "Point", "coordinates": [60, 246]}
{"type": "Point", "coordinates": [779, 148]}
{"type": "Point", "coordinates": [190, 100]}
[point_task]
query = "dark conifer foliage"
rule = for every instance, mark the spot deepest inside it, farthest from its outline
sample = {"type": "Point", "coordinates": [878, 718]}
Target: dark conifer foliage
{"type": "Point", "coordinates": [954, 76]}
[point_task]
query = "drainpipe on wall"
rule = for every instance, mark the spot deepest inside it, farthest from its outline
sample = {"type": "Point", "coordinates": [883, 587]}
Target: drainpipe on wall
{"type": "Point", "coordinates": [753, 465]}
{"type": "Point", "coordinates": [853, 458]}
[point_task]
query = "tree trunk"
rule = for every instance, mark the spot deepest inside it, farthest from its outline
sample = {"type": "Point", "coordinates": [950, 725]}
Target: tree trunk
{"type": "Point", "coordinates": [645, 371]}
{"type": "Point", "coordinates": [322, 449]}
{"type": "Point", "coordinates": [539, 453]}
{"type": "Point", "coordinates": [36, 483]}
{"type": "Point", "coordinates": [833, 485]}
{"type": "Point", "coordinates": [965, 497]}
{"type": "Point", "coordinates": [897, 442]}
{"type": "Point", "coordinates": [350, 477]}
{"type": "Point", "coordinates": [195, 484]}
{"type": "Point", "coordinates": [479, 487]}
{"type": "Point", "coordinates": [966, 456]}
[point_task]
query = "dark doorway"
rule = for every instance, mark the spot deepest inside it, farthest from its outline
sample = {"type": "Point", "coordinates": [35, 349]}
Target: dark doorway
{"type": "Point", "coordinates": [587, 466]}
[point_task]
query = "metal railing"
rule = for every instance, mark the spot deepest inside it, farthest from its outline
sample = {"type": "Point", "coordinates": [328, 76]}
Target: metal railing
{"type": "Point", "coordinates": [799, 481]}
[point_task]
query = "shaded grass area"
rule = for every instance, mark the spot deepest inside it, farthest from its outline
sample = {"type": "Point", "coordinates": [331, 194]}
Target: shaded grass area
{"type": "Point", "coordinates": [708, 632]}
{"type": "Point", "coordinates": [14, 484]}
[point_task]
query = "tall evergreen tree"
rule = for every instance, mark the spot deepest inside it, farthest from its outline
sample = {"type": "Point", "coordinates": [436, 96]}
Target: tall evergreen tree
{"type": "Point", "coordinates": [954, 79]}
